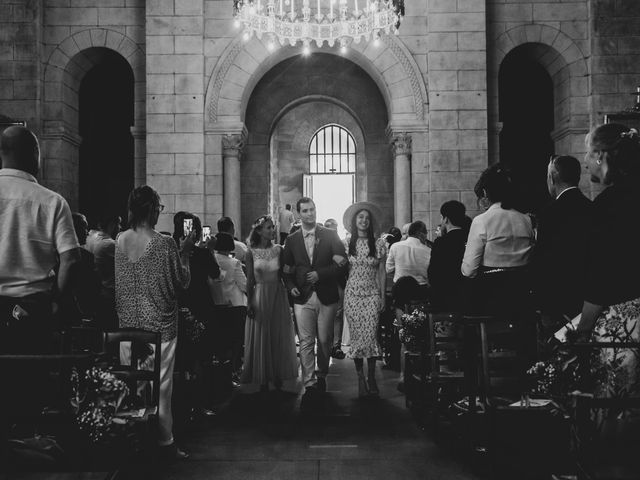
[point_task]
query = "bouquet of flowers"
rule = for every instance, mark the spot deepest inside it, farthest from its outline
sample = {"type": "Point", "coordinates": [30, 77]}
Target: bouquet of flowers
{"type": "Point", "coordinates": [413, 329]}
{"type": "Point", "coordinates": [96, 398]}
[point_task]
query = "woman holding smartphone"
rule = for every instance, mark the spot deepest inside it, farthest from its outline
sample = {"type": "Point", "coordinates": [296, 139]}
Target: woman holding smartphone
{"type": "Point", "coordinates": [150, 269]}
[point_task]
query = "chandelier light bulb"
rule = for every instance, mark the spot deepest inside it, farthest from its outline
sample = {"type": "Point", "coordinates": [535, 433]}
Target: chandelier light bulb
{"type": "Point", "coordinates": [306, 50]}
{"type": "Point", "coordinates": [271, 46]}
{"type": "Point", "coordinates": [236, 23]}
{"type": "Point", "coordinates": [246, 36]}
{"type": "Point", "coordinates": [343, 49]}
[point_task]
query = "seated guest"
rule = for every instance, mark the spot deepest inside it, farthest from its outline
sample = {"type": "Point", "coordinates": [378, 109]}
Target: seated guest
{"type": "Point", "coordinates": [611, 310]}
{"type": "Point", "coordinates": [499, 247]}
{"type": "Point", "coordinates": [101, 242]}
{"type": "Point", "coordinates": [560, 257]}
{"type": "Point", "coordinates": [496, 257]}
{"type": "Point", "coordinates": [150, 270]}
{"type": "Point", "coordinates": [445, 277]}
{"type": "Point", "coordinates": [36, 233]}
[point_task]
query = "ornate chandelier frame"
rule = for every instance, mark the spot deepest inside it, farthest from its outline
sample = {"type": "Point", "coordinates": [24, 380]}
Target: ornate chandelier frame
{"type": "Point", "coordinates": [282, 23]}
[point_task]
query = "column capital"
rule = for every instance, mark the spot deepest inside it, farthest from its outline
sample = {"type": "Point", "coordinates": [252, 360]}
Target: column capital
{"type": "Point", "coordinates": [401, 143]}
{"type": "Point", "coordinates": [232, 144]}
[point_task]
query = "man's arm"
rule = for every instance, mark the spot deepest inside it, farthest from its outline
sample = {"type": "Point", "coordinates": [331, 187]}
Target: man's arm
{"type": "Point", "coordinates": [68, 261]}
{"type": "Point", "coordinates": [333, 270]}
{"type": "Point", "coordinates": [288, 265]}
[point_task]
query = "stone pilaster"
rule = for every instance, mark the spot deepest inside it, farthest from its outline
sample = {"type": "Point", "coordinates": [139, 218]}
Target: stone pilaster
{"type": "Point", "coordinates": [401, 178]}
{"type": "Point", "coordinates": [231, 151]}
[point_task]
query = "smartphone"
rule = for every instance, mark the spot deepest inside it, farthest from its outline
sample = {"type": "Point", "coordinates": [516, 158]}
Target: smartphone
{"type": "Point", "coordinates": [187, 226]}
{"type": "Point", "coordinates": [206, 232]}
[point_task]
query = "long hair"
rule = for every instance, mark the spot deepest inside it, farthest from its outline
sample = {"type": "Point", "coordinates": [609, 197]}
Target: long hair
{"type": "Point", "coordinates": [256, 228]}
{"type": "Point", "coordinates": [623, 146]}
{"type": "Point", "coordinates": [354, 235]}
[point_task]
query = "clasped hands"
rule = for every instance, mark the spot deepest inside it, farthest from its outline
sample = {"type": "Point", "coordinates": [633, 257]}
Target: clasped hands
{"type": "Point", "coordinates": [311, 277]}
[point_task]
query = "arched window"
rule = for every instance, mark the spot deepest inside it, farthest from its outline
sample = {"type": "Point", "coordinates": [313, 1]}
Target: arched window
{"type": "Point", "coordinates": [332, 150]}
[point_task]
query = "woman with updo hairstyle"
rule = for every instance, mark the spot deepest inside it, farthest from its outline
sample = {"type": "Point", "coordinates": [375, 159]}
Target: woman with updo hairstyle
{"type": "Point", "coordinates": [611, 311]}
{"type": "Point", "coordinates": [149, 271]}
{"type": "Point", "coordinates": [269, 344]}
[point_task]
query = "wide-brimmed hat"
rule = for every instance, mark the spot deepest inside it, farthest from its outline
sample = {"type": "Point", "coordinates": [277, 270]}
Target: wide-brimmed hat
{"type": "Point", "coordinates": [372, 208]}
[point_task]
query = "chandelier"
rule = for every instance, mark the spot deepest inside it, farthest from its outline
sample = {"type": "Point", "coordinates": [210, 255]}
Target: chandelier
{"type": "Point", "coordinates": [319, 21]}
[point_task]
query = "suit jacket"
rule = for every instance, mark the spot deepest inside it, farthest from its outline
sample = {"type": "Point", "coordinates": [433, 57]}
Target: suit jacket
{"type": "Point", "coordinates": [297, 264]}
{"type": "Point", "coordinates": [445, 276]}
{"type": "Point", "coordinates": [560, 257]}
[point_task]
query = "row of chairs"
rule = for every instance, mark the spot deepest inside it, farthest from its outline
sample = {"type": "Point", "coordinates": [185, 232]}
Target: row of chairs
{"type": "Point", "coordinates": [36, 398]}
{"type": "Point", "coordinates": [467, 380]}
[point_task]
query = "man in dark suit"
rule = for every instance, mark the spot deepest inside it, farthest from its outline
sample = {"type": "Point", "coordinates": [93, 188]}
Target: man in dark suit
{"type": "Point", "coordinates": [560, 257]}
{"type": "Point", "coordinates": [314, 258]}
{"type": "Point", "coordinates": [445, 276]}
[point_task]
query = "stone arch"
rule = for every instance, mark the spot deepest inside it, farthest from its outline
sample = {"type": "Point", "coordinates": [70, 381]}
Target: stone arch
{"type": "Point", "coordinates": [566, 64]}
{"type": "Point", "coordinates": [390, 65]}
{"type": "Point", "coordinates": [65, 68]}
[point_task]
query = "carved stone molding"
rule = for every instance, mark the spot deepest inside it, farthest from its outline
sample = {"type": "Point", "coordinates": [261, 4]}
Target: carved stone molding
{"type": "Point", "coordinates": [232, 145]}
{"type": "Point", "coordinates": [219, 75]}
{"type": "Point", "coordinates": [401, 144]}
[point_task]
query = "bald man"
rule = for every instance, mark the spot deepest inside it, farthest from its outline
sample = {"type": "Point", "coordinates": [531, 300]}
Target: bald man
{"type": "Point", "coordinates": [36, 232]}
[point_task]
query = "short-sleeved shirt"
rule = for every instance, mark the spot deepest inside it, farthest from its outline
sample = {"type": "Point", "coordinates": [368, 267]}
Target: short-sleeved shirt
{"type": "Point", "coordinates": [410, 258]}
{"type": "Point", "coordinates": [498, 238]}
{"type": "Point", "coordinates": [103, 248]}
{"type": "Point", "coordinates": [286, 220]}
{"type": "Point", "coordinates": [35, 227]}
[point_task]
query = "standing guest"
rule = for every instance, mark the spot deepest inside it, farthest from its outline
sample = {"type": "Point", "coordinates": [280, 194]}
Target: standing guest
{"type": "Point", "coordinates": [404, 231]}
{"type": "Point", "coordinates": [445, 277]}
{"type": "Point", "coordinates": [286, 220]}
{"type": "Point", "coordinates": [101, 242]}
{"type": "Point", "coordinates": [226, 225]}
{"type": "Point", "coordinates": [150, 270]}
{"type": "Point", "coordinates": [338, 324]}
{"type": "Point", "coordinates": [36, 232]}
{"type": "Point", "coordinates": [230, 297]}
{"type": "Point", "coordinates": [198, 299]}
{"type": "Point", "coordinates": [270, 347]}
{"type": "Point", "coordinates": [560, 257]}
{"type": "Point", "coordinates": [611, 310]}
{"type": "Point", "coordinates": [313, 258]}
{"type": "Point", "coordinates": [364, 297]}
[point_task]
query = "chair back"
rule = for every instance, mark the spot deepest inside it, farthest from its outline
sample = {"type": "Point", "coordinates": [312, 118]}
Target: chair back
{"type": "Point", "coordinates": [133, 374]}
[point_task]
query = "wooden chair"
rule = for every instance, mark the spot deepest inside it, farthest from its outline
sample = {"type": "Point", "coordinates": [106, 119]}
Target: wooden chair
{"type": "Point", "coordinates": [132, 374]}
{"type": "Point", "coordinates": [604, 456]}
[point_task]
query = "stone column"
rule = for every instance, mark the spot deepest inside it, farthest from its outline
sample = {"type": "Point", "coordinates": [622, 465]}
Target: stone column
{"type": "Point", "coordinates": [402, 178]}
{"type": "Point", "coordinates": [231, 149]}
{"type": "Point", "coordinates": [139, 156]}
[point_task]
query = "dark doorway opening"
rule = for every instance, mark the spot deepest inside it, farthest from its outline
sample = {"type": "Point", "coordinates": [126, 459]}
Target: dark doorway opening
{"type": "Point", "coordinates": [107, 149]}
{"type": "Point", "coordinates": [527, 116]}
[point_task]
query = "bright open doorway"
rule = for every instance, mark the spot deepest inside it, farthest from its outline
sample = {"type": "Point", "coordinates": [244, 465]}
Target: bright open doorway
{"type": "Point", "coordinates": [332, 194]}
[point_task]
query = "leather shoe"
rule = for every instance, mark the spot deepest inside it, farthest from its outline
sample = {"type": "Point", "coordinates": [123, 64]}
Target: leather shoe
{"type": "Point", "coordinates": [338, 354]}
{"type": "Point", "coordinates": [172, 452]}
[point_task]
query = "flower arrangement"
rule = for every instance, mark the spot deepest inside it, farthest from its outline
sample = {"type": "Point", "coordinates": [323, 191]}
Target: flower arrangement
{"type": "Point", "coordinates": [560, 375]}
{"type": "Point", "coordinates": [413, 329]}
{"type": "Point", "coordinates": [96, 398]}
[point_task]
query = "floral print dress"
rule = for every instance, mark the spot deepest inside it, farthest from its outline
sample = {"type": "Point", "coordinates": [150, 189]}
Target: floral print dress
{"type": "Point", "coordinates": [362, 299]}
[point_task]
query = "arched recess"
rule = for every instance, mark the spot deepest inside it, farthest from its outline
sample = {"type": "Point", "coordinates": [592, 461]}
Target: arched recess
{"type": "Point", "coordinates": [343, 89]}
{"type": "Point", "coordinates": [566, 64]}
{"type": "Point", "coordinates": [390, 65]}
{"type": "Point", "coordinates": [65, 68]}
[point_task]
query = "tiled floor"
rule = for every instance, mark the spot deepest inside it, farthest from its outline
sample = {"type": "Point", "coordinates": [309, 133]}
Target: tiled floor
{"type": "Point", "coordinates": [267, 436]}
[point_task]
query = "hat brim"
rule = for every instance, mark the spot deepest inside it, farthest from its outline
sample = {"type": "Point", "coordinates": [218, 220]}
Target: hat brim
{"type": "Point", "coordinates": [372, 208]}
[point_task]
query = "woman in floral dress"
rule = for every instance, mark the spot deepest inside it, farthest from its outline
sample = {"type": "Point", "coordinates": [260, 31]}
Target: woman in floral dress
{"type": "Point", "coordinates": [270, 348]}
{"type": "Point", "coordinates": [364, 296]}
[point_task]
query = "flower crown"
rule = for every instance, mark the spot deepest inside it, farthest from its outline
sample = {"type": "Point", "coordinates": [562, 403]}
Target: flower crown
{"type": "Point", "coordinates": [632, 134]}
{"type": "Point", "coordinates": [261, 221]}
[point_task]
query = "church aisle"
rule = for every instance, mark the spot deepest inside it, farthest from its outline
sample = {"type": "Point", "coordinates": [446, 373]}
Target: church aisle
{"type": "Point", "coordinates": [266, 436]}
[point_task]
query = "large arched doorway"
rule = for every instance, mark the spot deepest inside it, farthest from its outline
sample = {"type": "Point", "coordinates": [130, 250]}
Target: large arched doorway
{"type": "Point", "coordinates": [289, 104]}
{"type": "Point", "coordinates": [106, 114]}
{"type": "Point", "coordinates": [526, 110]}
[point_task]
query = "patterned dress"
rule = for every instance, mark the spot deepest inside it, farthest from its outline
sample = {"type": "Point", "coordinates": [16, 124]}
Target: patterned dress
{"type": "Point", "coordinates": [362, 299]}
{"type": "Point", "coordinates": [269, 345]}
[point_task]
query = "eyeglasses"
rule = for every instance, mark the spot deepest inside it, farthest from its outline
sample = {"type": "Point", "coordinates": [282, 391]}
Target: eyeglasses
{"type": "Point", "coordinates": [553, 158]}
{"type": "Point", "coordinates": [160, 208]}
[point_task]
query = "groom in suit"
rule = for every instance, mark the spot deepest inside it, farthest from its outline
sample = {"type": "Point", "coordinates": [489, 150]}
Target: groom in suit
{"type": "Point", "coordinates": [560, 257]}
{"type": "Point", "coordinates": [313, 258]}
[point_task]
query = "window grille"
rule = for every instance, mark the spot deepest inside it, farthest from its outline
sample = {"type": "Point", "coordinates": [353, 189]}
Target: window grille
{"type": "Point", "coordinates": [332, 150]}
